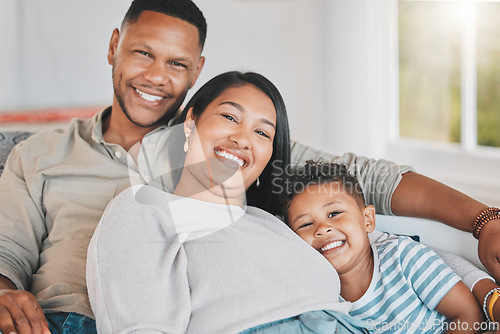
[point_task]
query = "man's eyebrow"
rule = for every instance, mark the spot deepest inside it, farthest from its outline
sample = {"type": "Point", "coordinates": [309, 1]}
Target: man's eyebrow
{"type": "Point", "coordinates": [141, 45]}
{"type": "Point", "coordinates": [240, 108]}
{"type": "Point", "coordinates": [148, 48]}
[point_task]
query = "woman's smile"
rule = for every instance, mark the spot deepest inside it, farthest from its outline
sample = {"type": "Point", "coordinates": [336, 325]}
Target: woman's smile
{"type": "Point", "coordinates": [231, 157]}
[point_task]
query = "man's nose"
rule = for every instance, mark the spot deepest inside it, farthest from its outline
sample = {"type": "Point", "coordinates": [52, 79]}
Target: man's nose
{"type": "Point", "coordinates": [157, 74]}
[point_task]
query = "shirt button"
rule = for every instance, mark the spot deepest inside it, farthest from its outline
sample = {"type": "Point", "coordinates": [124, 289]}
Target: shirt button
{"type": "Point", "coordinates": [118, 154]}
{"type": "Point", "coordinates": [147, 179]}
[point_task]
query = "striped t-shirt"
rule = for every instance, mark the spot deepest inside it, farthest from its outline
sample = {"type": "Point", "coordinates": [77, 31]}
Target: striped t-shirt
{"type": "Point", "coordinates": [409, 281]}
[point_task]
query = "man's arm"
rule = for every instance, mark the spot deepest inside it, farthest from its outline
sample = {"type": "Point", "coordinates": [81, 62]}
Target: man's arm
{"type": "Point", "coordinates": [19, 311]}
{"type": "Point", "coordinates": [378, 178]}
{"type": "Point", "coordinates": [21, 230]}
{"type": "Point", "coordinates": [420, 196]}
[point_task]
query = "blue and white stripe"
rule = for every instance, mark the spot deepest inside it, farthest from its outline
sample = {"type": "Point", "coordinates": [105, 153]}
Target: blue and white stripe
{"type": "Point", "coordinates": [408, 282]}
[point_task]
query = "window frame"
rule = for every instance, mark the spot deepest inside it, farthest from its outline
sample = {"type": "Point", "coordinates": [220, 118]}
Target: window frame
{"type": "Point", "coordinates": [468, 167]}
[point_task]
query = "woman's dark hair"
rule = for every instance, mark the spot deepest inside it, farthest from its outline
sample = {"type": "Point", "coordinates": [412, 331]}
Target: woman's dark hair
{"type": "Point", "coordinates": [265, 196]}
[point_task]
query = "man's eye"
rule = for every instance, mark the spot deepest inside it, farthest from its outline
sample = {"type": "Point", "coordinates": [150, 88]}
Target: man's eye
{"type": "Point", "coordinates": [333, 214]}
{"type": "Point", "coordinates": [177, 64]}
{"type": "Point", "coordinates": [144, 53]}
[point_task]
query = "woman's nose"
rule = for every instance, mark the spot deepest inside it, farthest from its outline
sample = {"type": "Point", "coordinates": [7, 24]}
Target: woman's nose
{"type": "Point", "coordinates": [242, 138]}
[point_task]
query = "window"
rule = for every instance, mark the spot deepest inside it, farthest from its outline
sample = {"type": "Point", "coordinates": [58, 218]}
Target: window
{"type": "Point", "coordinates": [446, 92]}
{"type": "Point", "coordinates": [449, 72]}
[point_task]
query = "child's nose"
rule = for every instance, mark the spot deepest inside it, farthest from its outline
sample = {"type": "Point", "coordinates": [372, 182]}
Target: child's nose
{"type": "Point", "coordinates": [323, 229]}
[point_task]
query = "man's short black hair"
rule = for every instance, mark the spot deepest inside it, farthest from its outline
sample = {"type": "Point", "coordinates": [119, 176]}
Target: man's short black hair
{"type": "Point", "coordinates": [317, 172]}
{"type": "Point", "coordinates": [185, 10]}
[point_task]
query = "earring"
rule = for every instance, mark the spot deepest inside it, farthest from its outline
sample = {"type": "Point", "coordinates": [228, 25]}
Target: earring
{"type": "Point", "coordinates": [186, 144]}
{"type": "Point", "coordinates": [257, 183]}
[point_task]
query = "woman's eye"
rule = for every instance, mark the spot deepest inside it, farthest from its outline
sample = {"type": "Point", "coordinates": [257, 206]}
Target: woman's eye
{"type": "Point", "coordinates": [262, 133]}
{"type": "Point", "coordinates": [333, 214]}
{"type": "Point", "coordinates": [229, 117]}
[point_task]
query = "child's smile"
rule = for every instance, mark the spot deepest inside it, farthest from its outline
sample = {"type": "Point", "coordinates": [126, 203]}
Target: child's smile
{"type": "Point", "coordinates": [332, 222]}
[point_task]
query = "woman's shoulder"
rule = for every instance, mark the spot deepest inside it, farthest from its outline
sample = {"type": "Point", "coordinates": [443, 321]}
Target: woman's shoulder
{"type": "Point", "coordinates": [139, 202]}
{"type": "Point", "coordinates": [141, 196]}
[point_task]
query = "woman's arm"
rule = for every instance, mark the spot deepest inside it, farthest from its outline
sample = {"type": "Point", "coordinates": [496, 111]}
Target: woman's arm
{"type": "Point", "coordinates": [137, 270]}
{"type": "Point", "coordinates": [420, 196]}
{"type": "Point", "coordinates": [461, 309]}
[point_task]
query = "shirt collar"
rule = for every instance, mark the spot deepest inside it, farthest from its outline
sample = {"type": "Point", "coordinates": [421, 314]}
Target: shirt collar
{"type": "Point", "coordinates": [98, 118]}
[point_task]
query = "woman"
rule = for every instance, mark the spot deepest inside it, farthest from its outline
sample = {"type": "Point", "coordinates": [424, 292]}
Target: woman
{"type": "Point", "coordinates": [200, 260]}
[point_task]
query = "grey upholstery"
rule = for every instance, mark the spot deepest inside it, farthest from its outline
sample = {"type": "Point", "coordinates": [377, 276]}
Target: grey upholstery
{"type": "Point", "coordinates": [7, 141]}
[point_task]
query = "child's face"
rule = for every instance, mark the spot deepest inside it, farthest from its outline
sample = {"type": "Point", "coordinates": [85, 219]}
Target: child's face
{"type": "Point", "coordinates": [332, 222]}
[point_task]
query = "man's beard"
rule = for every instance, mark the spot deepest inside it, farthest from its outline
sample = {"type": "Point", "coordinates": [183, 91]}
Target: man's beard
{"type": "Point", "coordinates": [167, 116]}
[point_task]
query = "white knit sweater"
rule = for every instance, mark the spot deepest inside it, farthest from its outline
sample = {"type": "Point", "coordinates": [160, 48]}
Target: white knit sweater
{"type": "Point", "coordinates": [163, 263]}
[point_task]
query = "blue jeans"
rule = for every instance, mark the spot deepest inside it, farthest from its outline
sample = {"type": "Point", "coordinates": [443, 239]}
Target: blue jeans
{"type": "Point", "coordinates": [314, 322]}
{"type": "Point", "coordinates": [70, 323]}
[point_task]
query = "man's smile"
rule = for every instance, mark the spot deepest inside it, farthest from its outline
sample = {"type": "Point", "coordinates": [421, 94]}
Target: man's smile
{"type": "Point", "coordinates": [149, 97]}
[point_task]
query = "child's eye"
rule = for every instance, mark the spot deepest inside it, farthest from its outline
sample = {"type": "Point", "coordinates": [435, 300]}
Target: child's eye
{"type": "Point", "coordinates": [304, 225]}
{"type": "Point", "coordinates": [333, 214]}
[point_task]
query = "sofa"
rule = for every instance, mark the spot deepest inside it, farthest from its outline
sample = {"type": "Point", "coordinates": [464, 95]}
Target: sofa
{"type": "Point", "coordinates": [7, 141]}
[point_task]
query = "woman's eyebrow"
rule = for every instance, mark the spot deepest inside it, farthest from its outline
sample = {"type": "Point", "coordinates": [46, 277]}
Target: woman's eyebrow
{"type": "Point", "coordinates": [240, 108]}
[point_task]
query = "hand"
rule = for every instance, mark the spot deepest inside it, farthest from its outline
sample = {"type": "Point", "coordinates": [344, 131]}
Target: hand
{"type": "Point", "coordinates": [489, 247]}
{"type": "Point", "coordinates": [20, 313]}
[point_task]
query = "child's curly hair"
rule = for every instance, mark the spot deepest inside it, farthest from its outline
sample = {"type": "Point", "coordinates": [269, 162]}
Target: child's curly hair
{"type": "Point", "coordinates": [316, 172]}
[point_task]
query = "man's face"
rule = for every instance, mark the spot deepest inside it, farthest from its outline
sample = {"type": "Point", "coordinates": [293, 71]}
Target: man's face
{"type": "Point", "coordinates": [155, 60]}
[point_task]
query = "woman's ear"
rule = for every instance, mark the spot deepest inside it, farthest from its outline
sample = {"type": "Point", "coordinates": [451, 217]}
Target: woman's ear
{"type": "Point", "coordinates": [369, 216]}
{"type": "Point", "coordinates": [189, 122]}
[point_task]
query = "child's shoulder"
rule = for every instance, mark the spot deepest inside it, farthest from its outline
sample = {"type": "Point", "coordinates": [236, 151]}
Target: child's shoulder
{"type": "Point", "coordinates": [393, 240]}
{"type": "Point", "coordinates": [395, 245]}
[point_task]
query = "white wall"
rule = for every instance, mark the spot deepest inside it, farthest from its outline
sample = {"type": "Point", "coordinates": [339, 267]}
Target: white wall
{"type": "Point", "coordinates": [331, 59]}
{"type": "Point", "coordinates": [315, 51]}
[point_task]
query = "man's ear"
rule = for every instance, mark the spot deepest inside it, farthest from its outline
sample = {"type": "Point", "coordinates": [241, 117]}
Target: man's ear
{"type": "Point", "coordinates": [199, 67]}
{"type": "Point", "coordinates": [113, 45]}
{"type": "Point", "coordinates": [369, 216]}
{"type": "Point", "coordinates": [189, 123]}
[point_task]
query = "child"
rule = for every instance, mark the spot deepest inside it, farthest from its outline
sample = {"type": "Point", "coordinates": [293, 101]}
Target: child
{"type": "Point", "coordinates": [397, 285]}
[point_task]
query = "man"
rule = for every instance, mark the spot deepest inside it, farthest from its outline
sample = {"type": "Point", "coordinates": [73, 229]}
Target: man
{"type": "Point", "coordinates": [60, 182]}
{"type": "Point", "coordinates": [57, 184]}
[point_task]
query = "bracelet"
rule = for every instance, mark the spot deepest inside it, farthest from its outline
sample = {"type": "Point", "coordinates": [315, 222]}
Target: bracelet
{"type": "Point", "coordinates": [484, 217]}
{"type": "Point", "coordinates": [488, 307]}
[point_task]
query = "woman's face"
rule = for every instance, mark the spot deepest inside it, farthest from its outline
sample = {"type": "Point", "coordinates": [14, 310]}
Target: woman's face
{"type": "Point", "coordinates": [232, 140]}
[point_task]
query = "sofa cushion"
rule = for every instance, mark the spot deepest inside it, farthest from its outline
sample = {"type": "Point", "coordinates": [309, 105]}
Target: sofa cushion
{"type": "Point", "coordinates": [7, 141]}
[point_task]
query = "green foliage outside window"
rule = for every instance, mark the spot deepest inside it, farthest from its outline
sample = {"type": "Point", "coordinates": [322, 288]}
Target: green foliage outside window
{"type": "Point", "coordinates": [430, 71]}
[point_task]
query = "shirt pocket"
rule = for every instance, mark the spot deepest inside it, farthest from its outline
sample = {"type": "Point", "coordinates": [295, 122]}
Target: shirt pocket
{"type": "Point", "coordinates": [75, 207]}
